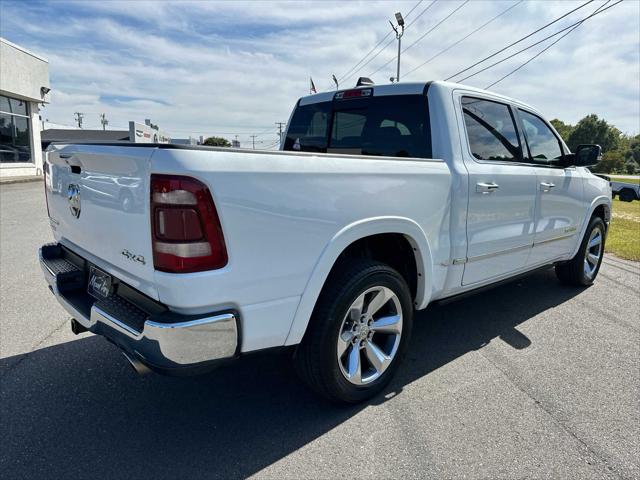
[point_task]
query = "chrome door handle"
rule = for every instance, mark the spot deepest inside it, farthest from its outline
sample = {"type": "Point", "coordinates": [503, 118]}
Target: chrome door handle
{"type": "Point", "coordinates": [485, 188]}
{"type": "Point", "coordinates": [546, 187]}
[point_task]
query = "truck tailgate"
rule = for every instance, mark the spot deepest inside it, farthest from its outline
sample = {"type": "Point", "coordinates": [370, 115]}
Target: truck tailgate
{"type": "Point", "coordinates": [98, 200]}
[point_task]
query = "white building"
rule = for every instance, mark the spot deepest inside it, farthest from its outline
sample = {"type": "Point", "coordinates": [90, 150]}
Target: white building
{"type": "Point", "coordinates": [24, 86]}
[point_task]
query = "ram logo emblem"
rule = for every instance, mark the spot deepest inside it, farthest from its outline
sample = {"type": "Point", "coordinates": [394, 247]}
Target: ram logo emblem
{"type": "Point", "coordinates": [73, 194]}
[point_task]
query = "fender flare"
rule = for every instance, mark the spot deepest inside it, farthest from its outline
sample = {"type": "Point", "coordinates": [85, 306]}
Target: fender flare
{"type": "Point", "coordinates": [599, 200]}
{"type": "Point", "coordinates": [345, 237]}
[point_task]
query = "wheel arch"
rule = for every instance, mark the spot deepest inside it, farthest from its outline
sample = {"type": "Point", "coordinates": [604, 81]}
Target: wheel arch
{"type": "Point", "coordinates": [600, 206]}
{"type": "Point", "coordinates": [346, 237]}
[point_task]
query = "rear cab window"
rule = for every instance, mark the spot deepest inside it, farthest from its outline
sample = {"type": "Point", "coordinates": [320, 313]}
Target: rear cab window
{"type": "Point", "coordinates": [491, 130]}
{"type": "Point", "coordinates": [393, 125]}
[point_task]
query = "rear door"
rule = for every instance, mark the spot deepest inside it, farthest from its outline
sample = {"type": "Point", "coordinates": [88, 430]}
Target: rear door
{"type": "Point", "coordinates": [560, 207]}
{"type": "Point", "coordinates": [502, 191]}
{"type": "Point", "coordinates": [98, 199]}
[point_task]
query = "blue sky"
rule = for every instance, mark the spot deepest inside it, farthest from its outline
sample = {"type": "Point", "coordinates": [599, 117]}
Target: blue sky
{"type": "Point", "coordinates": [231, 68]}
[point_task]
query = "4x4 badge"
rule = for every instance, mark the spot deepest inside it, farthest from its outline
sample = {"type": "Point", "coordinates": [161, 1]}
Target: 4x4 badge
{"type": "Point", "coordinates": [133, 257]}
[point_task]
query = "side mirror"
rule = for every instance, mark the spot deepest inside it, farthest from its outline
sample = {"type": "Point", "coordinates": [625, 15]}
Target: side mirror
{"type": "Point", "coordinates": [584, 156]}
{"type": "Point", "coordinates": [588, 155]}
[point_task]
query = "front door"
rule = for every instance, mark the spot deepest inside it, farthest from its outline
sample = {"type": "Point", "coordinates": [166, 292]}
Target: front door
{"type": "Point", "coordinates": [502, 192]}
{"type": "Point", "coordinates": [560, 207]}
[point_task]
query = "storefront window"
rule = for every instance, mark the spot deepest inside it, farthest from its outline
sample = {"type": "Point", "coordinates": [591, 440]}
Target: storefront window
{"type": "Point", "coordinates": [14, 131]}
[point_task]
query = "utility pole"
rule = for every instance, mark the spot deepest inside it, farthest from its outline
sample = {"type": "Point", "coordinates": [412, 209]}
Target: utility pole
{"type": "Point", "coordinates": [104, 121]}
{"type": "Point", "coordinates": [280, 124]}
{"type": "Point", "coordinates": [335, 80]}
{"type": "Point", "coordinates": [399, 29]}
{"type": "Point", "coordinates": [253, 140]}
{"type": "Point", "coordinates": [79, 116]}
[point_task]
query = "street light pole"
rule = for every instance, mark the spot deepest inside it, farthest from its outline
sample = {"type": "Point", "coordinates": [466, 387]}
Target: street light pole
{"type": "Point", "coordinates": [399, 29]}
{"type": "Point", "coordinates": [398, 68]}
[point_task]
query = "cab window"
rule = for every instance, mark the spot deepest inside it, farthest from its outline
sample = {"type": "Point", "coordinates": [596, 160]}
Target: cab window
{"type": "Point", "coordinates": [491, 130]}
{"type": "Point", "coordinates": [544, 146]}
{"type": "Point", "coordinates": [393, 126]}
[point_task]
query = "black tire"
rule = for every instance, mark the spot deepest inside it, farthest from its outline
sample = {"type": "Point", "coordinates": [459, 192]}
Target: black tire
{"type": "Point", "coordinates": [316, 358]}
{"type": "Point", "coordinates": [627, 195]}
{"type": "Point", "coordinates": [573, 272]}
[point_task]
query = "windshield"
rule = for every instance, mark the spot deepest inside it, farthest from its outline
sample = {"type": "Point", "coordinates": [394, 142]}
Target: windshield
{"type": "Point", "coordinates": [394, 126]}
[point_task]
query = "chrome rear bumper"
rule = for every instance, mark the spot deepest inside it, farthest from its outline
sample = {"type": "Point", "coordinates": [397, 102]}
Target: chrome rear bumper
{"type": "Point", "coordinates": [163, 340]}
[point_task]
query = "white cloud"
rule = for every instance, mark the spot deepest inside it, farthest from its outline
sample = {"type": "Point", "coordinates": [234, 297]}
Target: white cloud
{"type": "Point", "coordinates": [238, 67]}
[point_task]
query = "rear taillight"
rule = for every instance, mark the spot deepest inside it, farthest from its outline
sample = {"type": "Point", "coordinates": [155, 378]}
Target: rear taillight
{"type": "Point", "coordinates": [185, 228]}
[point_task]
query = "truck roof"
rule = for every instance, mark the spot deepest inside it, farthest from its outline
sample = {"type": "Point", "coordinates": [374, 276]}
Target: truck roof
{"type": "Point", "coordinates": [407, 88]}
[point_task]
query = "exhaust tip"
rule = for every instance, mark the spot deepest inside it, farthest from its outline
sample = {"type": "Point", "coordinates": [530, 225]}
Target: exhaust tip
{"type": "Point", "coordinates": [139, 367]}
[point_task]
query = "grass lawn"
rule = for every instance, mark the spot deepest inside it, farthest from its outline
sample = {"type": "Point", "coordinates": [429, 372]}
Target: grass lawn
{"type": "Point", "coordinates": [623, 239]}
{"type": "Point", "coordinates": [624, 179]}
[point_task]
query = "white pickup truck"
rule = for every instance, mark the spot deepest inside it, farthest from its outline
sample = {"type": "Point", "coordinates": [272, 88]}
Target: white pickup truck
{"type": "Point", "coordinates": [382, 200]}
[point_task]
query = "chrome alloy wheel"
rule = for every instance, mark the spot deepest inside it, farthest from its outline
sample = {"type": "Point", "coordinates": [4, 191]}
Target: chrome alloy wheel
{"type": "Point", "coordinates": [593, 252]}
{"type": "Point", "coordinates": [369, 335]}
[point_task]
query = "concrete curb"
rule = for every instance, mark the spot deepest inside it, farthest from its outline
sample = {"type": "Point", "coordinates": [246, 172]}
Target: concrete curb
{"type": "Point", "coordinates": [10, 180]}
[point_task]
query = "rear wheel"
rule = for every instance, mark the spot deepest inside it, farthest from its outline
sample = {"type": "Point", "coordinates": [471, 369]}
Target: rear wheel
{"type": "Point", "coordinates": [627, 195]}
{"type": "Point", "coordinates": [583, 268]}
{"type": "Point", "coordinates": [358, 332]}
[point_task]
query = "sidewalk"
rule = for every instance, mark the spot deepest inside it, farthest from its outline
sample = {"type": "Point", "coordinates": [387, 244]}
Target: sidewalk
{"type": "Point", "coordinates": [18, 179]}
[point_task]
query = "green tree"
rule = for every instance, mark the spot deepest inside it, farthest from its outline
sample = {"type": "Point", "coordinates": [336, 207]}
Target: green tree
{"type": "Point", "coordinates": [217, 142]}
{"type": "Point", "coordinates": [612, 162]}
{"type": "Point", "coordinates": [591, 129]}
{"type": "Point", "coordinates": [631, 166]}
{"type": "Point", "coordinates": [564, 129]}
{"type": "Point", "coordinates": [634, 149]}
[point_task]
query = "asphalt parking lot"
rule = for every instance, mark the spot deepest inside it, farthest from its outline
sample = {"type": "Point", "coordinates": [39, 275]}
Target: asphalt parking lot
{"type": "Point", "coordinates": [529, 380]}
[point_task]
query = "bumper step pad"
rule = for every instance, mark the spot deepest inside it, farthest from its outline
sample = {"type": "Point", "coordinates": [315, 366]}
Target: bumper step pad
{"type": "Point", "coordinates": [68, 276]}
{"type": "Point", "coordinates": [120, 308]}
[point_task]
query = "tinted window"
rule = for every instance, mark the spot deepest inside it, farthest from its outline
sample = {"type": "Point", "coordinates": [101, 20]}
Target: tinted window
{"type": "Point", "coordinates": [347, 128]}
{"type": "Point", "coordinates": [14, 132]}
{"type": "Point", "coordinates": [12, 105]}
{"type": "Point", "coordinates": [543, 144]}
{"type": "Point", "coordinates": [491, 130]}
{"type": "Point", "coordinates": [395, 126]}
{"type": "Point", "coordinates": [308, 128]}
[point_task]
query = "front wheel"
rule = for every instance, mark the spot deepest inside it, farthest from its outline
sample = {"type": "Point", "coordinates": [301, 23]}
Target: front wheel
{"type": "Point", "coordinates": [358, 332]}
{"type": "Point", "coordinates": [583, 268]}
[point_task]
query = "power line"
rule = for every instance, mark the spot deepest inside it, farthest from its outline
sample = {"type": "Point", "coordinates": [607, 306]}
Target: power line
{"type": "Point", "coordinates": [572, 26]}
{"type": "Point", "coordinates": [420, 14]}
{"type": "Point", "coordinates": [414, 7]}
{"type": "Point", "coordinates": [436, 25]}
{"type": "Point", "coordinates": [600, 9]}
{"type": "Point", "coordinates": [353, 69]}
{"type": "Point", "coordinates": [374, 57]}
{"type": "Point", "coordinates": [463, 38]}
{"type": "Point", "coordinates": [271, 146]}
{"type": "Point", "coordinates": [424, 35]}
{"type": "Point", "coordinates": [520, 40]}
